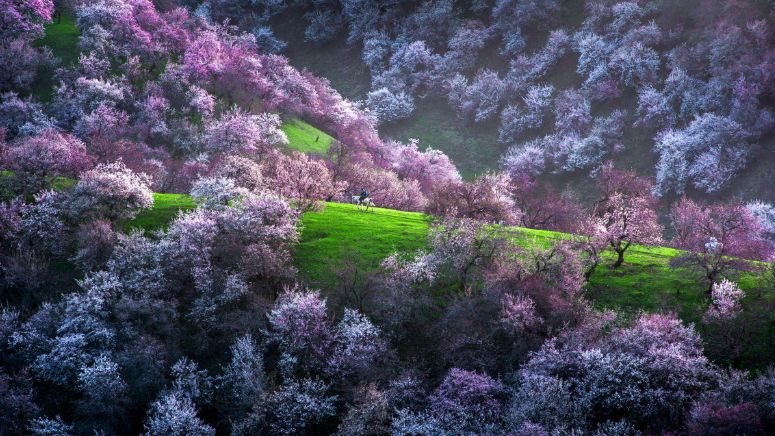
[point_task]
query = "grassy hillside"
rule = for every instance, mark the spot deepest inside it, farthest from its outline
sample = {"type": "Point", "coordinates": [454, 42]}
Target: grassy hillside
{"type": "Point", "coordinates": [165, 208]}
{"type": "Point", "coordinates": [646, 282]}
{"type": "Point", "coordinates": [62, 38]}
{"type": "Point", "coordinates": [340, 234]}
{"type": "Point", "coordinates": [305, 137]}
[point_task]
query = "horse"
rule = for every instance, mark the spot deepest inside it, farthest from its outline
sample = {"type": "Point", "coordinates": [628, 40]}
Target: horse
{"type": "Point", "coordinates": [366, 204]}
{"type": "Point", "coordinates": [356, 200]}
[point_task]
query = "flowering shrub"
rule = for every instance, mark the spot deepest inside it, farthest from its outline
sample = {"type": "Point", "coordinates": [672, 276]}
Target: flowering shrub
{"type": "Point", "coordinates": [112, 191]}
{"type": "Point", "coordinates": [725, 301]}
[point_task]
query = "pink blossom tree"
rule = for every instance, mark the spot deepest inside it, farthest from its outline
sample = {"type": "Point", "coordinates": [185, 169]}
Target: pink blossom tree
{"type": "Point", "coordinates": [538, 206]}
{"type": "Point", "coordinates": [725, 301]}
{"type": "Point", "coordinates": [239, 132]}
{"type": "Point", "coordinates": [112, 191]}
{"type": "Point", "coordinates": [626, 211]}
{"type": "Point", "coordinates": [385, 187]}
{"type": "Point", "coordinates": [137, 156]}
{"type": "Point", "coordinates": [304, 180]}
{"type": "Point", "coordinates": [628, 221]}
{"type": "Point", "coordinates": [717, 238]}
{"type": "Point", "coordinates": [483, 199]}
{"type": "Point", "coordinates": [430, 167]}
{"type": "Point", "coordinates": [35, 158]}
{"type": "Point", "coordinates": [245, 172]}
{"type": "Point", "coordinates": [518, 313]}
{"type": "Point", "coordinates": [24, 17]}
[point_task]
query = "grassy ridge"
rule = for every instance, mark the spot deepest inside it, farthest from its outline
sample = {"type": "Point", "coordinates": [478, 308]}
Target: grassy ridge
{"type": "Point", "coordinates": [646, 281]}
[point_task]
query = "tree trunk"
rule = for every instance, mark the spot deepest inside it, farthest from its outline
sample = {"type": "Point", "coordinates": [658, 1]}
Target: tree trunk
{"type": "Point", "coordinates": [711, 276]}
{"type": "Point", "coordinates": [620, 259]}
{"type": "Point", "coordinates": [591, 270]}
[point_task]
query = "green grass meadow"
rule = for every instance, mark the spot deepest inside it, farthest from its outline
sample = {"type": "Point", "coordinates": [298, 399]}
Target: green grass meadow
{"type": "Point", "coordinates": [305, 137]}
{"type": "Point", "coordinates": [165, 208]}
{"type": "Point", "coordinates": [340, 230]}
{"type": "Point", "coordinates": [61, 36]}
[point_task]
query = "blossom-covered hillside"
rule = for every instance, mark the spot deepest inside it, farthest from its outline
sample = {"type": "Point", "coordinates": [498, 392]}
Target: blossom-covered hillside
{"type": "Point", "coordinates": [176, 254]}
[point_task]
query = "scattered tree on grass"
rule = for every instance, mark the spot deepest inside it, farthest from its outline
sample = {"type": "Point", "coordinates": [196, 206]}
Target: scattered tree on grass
{"type": "Point", "coordinates": [304, 181]}
{"type": "Point", "coordinates": [717, 238]}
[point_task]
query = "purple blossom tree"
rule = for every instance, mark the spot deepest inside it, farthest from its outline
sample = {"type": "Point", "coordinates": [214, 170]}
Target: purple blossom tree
{"type": "Point", "coordinates": [358, 344]}
{"type": "Point", "coordinates": [302, 328]}
{"type": "Point", "coordinates": [718, 238]}
{"type": "Point", "coordinates": [468, 395]}
{"type": "Point", "coordinates": [112, 191]}
{"type": "Point", "coordinates": [36, 158]}
{"type": "Point", "coordinates": [240, 132]}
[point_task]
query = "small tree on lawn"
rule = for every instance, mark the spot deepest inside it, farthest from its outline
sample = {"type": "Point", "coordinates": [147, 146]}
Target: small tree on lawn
{"type": "Point", "coordinates": [627, 221]}
{"type": "Point", "coordinates": [626, 211]}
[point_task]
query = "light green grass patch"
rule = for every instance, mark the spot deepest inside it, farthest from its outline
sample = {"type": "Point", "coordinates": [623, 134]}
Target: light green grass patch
{"type": "Point", "coordinates": [341, 230]}
{"type": "Point", "coordinates": [165, 208]}
{"type": "Point", "coordinates": [305, 137]}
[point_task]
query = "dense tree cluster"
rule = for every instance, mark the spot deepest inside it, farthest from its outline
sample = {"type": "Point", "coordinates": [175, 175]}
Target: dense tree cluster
{"type": "Point", "coordinates": [701, 78]}
{"type": "Point", "coordinates": [171, 95]}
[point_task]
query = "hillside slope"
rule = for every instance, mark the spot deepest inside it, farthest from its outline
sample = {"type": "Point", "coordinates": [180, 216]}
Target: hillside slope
{"type": "Point", "coordinates": [342, 236]}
